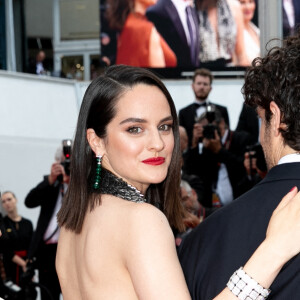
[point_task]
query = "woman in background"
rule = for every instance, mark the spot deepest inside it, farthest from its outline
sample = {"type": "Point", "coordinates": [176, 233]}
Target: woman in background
{"type": "Point", "coordinates": [221, 32]}
{"type": "Point", "coordinates": [138, 44]}
{"type": "Point", "coordinates": [115, 240]}
{"type": "Point", "coordinates": [251, 31]}
{"type": "Point", "coordinates": [19, 233]}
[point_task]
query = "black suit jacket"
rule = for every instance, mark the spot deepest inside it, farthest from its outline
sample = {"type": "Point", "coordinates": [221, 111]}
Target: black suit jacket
{"type": "Point", "coordinates": [287, 30]}
{"type": "Point", "coordinates": [226, 240]}
{"type": "Point", "coordinates": [187, 117]}
{"type": "Point", "coordinates": [248, 121]}
{"type": "Point", "coordinates": [45, 196]}
{"type": "Point", "coordinates": [165, 17]}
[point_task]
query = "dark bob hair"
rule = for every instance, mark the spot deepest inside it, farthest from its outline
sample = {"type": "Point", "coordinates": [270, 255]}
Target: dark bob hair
{"type": "Point", "coordinates": [96, 112]}
{"type": "Point", "coordinates": [276, 77]}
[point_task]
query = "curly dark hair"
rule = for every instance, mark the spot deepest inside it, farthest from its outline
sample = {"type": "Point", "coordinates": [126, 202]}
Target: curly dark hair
{"type": "Point", "coordinates": [276, 77]}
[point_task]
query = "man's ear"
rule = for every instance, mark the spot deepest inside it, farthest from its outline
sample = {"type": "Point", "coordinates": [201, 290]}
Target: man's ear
{"type": "Point", "coordinates": [96, 143]}
{"type": "Point", "coordinates": [276, 118]}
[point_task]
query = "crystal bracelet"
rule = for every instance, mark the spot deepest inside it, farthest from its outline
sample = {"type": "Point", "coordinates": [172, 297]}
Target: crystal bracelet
{"type": "Point", "coordinates": [246, 288]}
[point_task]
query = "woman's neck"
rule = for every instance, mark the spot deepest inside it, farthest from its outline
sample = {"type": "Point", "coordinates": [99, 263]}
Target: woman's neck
{"type": "Point", "coordinates": [140, 8]}
{"type": "Point", "coordinates": [207, 4]}
{"type": "Point", "coordinates": [247, 25]}
{"type": "Point", "coordinates": [14, 216]}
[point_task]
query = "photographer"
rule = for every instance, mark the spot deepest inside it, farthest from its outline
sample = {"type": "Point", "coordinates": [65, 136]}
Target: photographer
{"type": "Point", "coordinates": [48, 196]}
{"type": "Point", "coordinates": [216, 156]}
{"type": "Point", "coordinates": [255, 165]}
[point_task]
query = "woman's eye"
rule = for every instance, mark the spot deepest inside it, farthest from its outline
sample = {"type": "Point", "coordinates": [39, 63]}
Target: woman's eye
{"type": "Point", "coordinates": [165, 127]}
{"type": "Point", "coordinates": [134, 130]}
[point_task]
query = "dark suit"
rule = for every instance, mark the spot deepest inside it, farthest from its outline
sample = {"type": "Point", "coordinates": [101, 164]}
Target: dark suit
{"type": "Point", "coordinates": [226, 240]}
{"type": "Point", "coordinates": [187, 116]}
{"type": "Point", "coordinates": [165, 17]}
{"type": "Point", "coordinates": [206, 165]}
{"type": "Point", "coordinates": [248, 121]}
{"type": "Point", "coordinates": [287, 30]}
{"type": "Point", "coordinates": [44, 196]}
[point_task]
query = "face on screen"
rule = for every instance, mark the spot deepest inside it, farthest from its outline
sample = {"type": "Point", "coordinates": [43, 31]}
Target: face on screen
{"type": "Point", "coordinates": [248, 9]}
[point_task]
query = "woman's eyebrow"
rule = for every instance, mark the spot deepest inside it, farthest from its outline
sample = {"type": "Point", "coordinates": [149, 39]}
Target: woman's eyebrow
{"type": "Point", "coordinates": [133, 120]}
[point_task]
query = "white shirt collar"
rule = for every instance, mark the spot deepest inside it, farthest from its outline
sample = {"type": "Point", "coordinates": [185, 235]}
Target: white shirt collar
{"type": "Point", "coordinates": [201, 102]}
{"type": "Point", "coordinates": [290, 158]}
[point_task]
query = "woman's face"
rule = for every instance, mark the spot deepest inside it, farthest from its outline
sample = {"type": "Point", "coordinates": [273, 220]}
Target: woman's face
{"type": "Point", "coordinates": [9, 202]}
{"type": "Point", "coordinates": [140, 141]}
{"type": "Point", "coordinates": [248, 8]}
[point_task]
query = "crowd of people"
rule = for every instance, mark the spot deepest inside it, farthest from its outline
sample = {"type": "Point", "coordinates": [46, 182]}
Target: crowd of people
{"type": "Point", "coordinates": [160, 204]}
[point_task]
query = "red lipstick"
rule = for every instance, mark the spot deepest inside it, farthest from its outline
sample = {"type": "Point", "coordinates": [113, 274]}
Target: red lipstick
{"type": "Point", "coordinates": [155, 161]}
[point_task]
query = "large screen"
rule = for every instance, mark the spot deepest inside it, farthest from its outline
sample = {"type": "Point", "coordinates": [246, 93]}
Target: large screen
{"type": "Point", "coordinates": [177, 36]}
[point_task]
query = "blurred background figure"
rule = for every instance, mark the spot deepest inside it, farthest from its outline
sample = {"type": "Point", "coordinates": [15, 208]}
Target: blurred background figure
{"type": "Point", "coordinates": [290, 16]}
{"type": "Point", "coordinates": [216, 155]}
{"type": "Point", "coordinates": [251, 31]}
{"type": "Point", "coordinates": [48, 195]}
{"type": "Point", "coordinates": [221, 32]}
{"type": "Point", "coordinates": [202, 86]}
{"type": "Point", "coordinates": [177, 22]}
{"type": "Point", "coordinates": [139, 44]}
{"type": "Point", "coordinates": [249, 122]}
{"type": "Point", "coordinates": [255, 165]}
{"type": "Point", "coordinates": [36, 66]}
{"type": "Point", "coordinates": [19, 233]}
{"type": "Point", "coordinates": [195, 212]}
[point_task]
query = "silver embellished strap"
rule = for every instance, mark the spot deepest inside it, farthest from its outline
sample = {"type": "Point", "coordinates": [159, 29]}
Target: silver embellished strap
{"type": "Point", "coordinates": [246, 288]}
{"type": "Point", "coordinates": [113, 185]}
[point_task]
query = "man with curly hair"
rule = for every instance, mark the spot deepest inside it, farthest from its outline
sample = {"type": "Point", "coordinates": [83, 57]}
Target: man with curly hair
{"type": "Point", "coordinates": [225, 241]}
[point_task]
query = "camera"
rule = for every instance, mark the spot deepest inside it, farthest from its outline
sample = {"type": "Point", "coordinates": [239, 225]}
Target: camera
{"type": "Point", "coordinates": [67, 146]}
{"type": "Point", "coordinates": [256, 151]}
{"type": "Point", "coordinates": [209, 131]}
{"type": "Point", "coordinates": [213, 116]}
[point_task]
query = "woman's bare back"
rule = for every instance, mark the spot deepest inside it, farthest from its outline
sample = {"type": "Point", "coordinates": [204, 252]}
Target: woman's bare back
{"type": "Point", "coordinates": [91, 264]}
{"type": "Point", "coordinates": [125, 251]}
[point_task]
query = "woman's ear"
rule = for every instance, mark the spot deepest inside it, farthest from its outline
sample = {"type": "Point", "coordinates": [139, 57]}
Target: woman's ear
{"type": "Point", "coordinates": [96, 143]}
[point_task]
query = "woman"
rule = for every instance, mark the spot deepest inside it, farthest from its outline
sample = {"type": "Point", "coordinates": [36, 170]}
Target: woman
{"type": "Point", "coordinates": [110, 248]}
{"type": "Point", "coordinates": [251, 31]}
{"type": "Point", "coordinates": [139, 43]}
{"type": "Point", "coordinates": [221, 32]}
{"type": "Point", "coordinates": [19, 233]}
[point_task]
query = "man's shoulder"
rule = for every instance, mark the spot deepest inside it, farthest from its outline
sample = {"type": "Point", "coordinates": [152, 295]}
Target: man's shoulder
{"type": "Point", "coordinates": [219, 106]}
{"type": "Point", "coordinates": [227, 238]}
{"type": "Point", "coordinates": [186, 108]}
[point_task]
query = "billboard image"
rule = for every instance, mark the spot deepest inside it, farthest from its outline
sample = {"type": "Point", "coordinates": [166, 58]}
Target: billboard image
{"type": "Point", "coordinates": [178, 35]}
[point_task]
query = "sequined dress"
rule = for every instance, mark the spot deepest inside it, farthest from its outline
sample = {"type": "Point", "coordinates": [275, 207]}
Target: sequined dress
{"type": "Point", "coordinates": [212, 49]}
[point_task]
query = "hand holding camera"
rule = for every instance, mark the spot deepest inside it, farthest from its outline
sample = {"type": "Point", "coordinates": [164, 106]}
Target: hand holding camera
{"type": "Point", "coordinates": [56, 170]}
{"type": "Point", "coordinates": [213, 144]}
{"type": "Point", "coordinates": [60, 171]}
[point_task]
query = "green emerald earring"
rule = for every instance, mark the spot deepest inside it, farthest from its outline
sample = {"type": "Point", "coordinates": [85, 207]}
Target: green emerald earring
{"type": "Point", "coordinates": [97, 172]}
